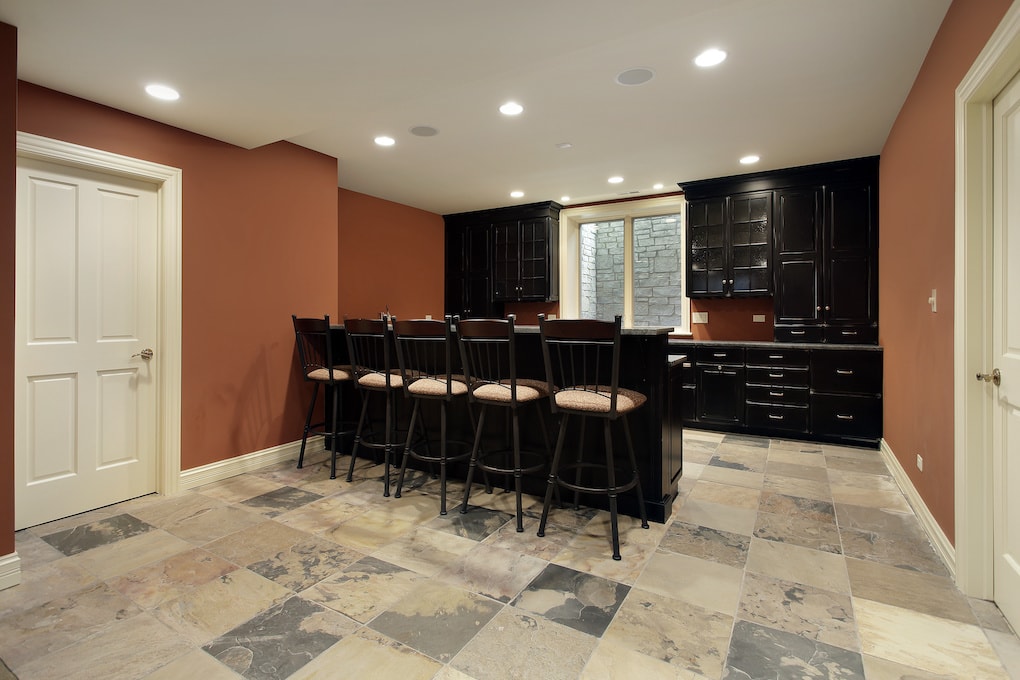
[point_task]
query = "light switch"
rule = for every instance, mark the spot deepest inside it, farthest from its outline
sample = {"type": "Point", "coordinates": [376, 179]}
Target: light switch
{"type": "Point", "coordinates": [933, 300]}
{"type": "Point", "coordinates": [699, 317]}
{"type": "Point", "coordinates": [758, 318]}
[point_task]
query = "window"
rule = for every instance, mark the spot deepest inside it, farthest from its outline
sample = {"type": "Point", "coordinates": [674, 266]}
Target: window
{"type": "Point", "coordinates": [627, 259]}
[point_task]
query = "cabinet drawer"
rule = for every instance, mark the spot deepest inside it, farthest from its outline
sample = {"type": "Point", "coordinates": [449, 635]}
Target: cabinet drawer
{"type": "Point", "coordinates": [706, 354]}
{"type": "Point", "coordinates": [777, 375]}
{"type": "Point", "coordinates": [798, 334]}
{"type": "Point", "coordinates": [848, 335]}
{"type": "Point", "coordinates": [846, 371]}
{"type": "Point", "coordinates": [771, 417]}
{"type": "Point", "coordinates": [767, 394]}
{"type": "Point", "coordinates": [846, 416]}
{"type": "Point", "coordinates": [757, 356]}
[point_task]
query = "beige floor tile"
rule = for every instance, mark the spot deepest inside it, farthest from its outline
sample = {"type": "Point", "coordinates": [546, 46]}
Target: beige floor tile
{"type": "Point", "coordinates": [321, 515]}
{"type": "Point", "coordinates": [800, 565]}
{"type": "Point", "coordinates": [367, 654]}
{"type": "Point", "coordinates": [925, 593]}
{"type": "Point", "coordinates": [237, 489]}
{"type": "Point", "coordinates": [370, 530]}
{"type": "Point", "coordinates": [926, 642]}
{"type": "Point", "coordinates": [710, 585]}
{"type": "Point", "coordinates": [256, 542]}
{"type": "Point", "coordinates": [124, 649]}
{"type": "Point", "coordinates": [493, 572]}
{"type": "Point", "coordinates": [612, 660]}
{"type": "Point", "coordinates": [364, 589]}
{"type": "Point", "coordinates": [883, 669]}
{"type": "Point", "coordinates": [752, 479]}
{"type": "Point", "coordinates": [726, 494]}
{"type": "Point", "coordinates": [195, 664]}
{"type": "Point", "coordinates": [801, 488]}
{"type": "Point", "coordinates": [131, 553]}
{"type": "Point", "coordinates": [167, 579]}
{"type": "Point", "coordinates": [425, 551]}
{"type": "Point", "coordinates": [214, 608]}
{"type": "Point", "coordinates": [716, 516]}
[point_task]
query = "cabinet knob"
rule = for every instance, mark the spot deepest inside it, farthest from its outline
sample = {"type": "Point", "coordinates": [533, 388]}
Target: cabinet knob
{"type": "Point", "coordinates": [818, 308]}
{"type": "Point", "coordinates": [827, 307]}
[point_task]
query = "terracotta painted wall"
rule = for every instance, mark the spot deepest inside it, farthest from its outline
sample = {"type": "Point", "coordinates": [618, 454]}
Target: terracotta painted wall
{"type": "Point", "coordinates": [917, 254]}
{"type": "Point", "coordinates": [390, 255]}
{"type": "Point", "coordinates": [8, 163]}
{"type": "Point", "coordinates": [259, 243]}
{"type": "Point", "coordinates": [733, 319]}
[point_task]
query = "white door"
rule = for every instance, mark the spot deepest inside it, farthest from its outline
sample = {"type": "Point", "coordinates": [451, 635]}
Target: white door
{"type": "Point", "coordinates": [1006, 351]}
{"type": "Point", "coordinates": [85, 401]}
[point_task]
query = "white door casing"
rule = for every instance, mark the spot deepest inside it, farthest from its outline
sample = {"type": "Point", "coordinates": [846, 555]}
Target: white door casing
{"type": "Point", "coordinates": [61, 390]}
{"type": "Point", "coordinates": [974, 318]}
{"type": "Point", "coordinates": [1006, 351]}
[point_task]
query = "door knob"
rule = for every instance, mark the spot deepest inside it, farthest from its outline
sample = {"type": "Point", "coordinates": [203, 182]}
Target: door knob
{"type": "Point", "coordinates": [145, 354]}
{"type": "Point", "coordinates": [995, 377]}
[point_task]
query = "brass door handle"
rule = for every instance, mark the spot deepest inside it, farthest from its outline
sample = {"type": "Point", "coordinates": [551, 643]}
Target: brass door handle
{"type": "Point", "coordinates": [995, 377]}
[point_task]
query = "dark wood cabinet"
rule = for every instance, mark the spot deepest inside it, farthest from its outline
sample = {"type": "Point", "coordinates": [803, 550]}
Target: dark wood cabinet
{"type": "Point", "coordinates": [826, 255]}
{"type": "Point", "coordinates": [823, 392]}
{"type": "Point", "coordinates": [469, 272]}
{"type": "Point", "coordinates": [729, 245]}
{"type": "Point", "coordinates": [720, 385]}
{"type": "Point", "coordinates": [501, 255]}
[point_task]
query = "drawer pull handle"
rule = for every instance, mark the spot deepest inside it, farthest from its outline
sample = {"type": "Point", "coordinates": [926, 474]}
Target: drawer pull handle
{"type": "Point", "coordinates": [775, 375]}
{"type": "Point", "coordinates": [775, 356]}
{"type": "Point", "coordinates": [772, 416]}
{"type": "Point", "coordinates": [843, 416]}
{"type": "Point", "coordinates": [718, 354]}
{"type": "Point", "coordinates": [776, 394]}
{"type": "Point", "coordinates": [849, 332]}
{"type": "Point", "coordinates": [797, 332]}
{"type": "Point", "coordinates": [844, 371]}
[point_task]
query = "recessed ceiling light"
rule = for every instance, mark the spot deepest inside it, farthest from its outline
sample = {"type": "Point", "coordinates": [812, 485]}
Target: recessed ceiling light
{"type": "Point", "coordinates": [516, 194]}
{"type": "Point", "coordinates": [383, 140]}
{"type": "Point", "coordinates": [424, 131]}
{"type": "Point", "coordinates": [710, 57]}
{"type": "Point", "coordinates": [657, 186]}
{"type": "Point", "coordinates": [511, 109]}
{"type": "Point", "coordinates": [615, 180]}
{"type": "Point", "coordinates": [164, 92]}
{"type": "Point", "coordinates": [564, 198]}
{"type": "Point", "coordinates": [564, 145]}
{"type": "Point", "coordinates": [749, 160]}
{"type": "Point", "coordinates": [635, 76]}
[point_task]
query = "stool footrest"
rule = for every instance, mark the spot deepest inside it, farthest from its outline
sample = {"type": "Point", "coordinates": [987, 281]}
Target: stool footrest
{"type": "Point", "coordinates": [531, 461]}
{"type": "Point", "coordinates": [632, 480]}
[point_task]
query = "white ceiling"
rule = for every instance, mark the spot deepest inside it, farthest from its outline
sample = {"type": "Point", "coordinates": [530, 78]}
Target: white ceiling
{"type": "Point", "coordinates": [806, 81]}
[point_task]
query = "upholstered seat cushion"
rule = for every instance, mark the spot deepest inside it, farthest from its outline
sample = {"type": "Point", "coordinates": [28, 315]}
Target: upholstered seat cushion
{"type": "Point", "coordinates": [339, 373]}
{"type": "Point", "coordinates": [527, 390]}
{"type": "Point", "coordinates": [596, 399]}
{"type": "Point", "coordinates": [436, 387]}
{"type": "Point", "coordinates": [378, 380]}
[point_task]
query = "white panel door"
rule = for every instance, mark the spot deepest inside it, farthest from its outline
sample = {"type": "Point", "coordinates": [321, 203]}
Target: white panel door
{"type": "Point", "coordinates": [85, 401]}
{"type": "Point", "coordinates": [1006, 351]}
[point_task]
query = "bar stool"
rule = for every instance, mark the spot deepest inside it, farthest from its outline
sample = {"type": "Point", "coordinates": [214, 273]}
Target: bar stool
{"type": "Point", "coordinates": [582, 364]}
{"type": "Point", "coordinates": [425, 356]}
{"type": "Point", "coordinates": [370, 345]}
{"type": "Point", "coordinates": [315, 349]}
{"type": "Point", "coordinates": [489, 358]}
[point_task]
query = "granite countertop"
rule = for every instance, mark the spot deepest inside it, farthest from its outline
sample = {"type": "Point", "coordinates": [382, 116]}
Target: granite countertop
{"type": "Point", "coordinates": [640, 330]}
{"type": "Point", "coordinates": [680, 343]}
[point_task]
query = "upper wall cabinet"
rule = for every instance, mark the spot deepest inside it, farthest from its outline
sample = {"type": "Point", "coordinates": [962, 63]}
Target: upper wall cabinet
{"type": "Point", "coordinates": [823, 248]}
{"type": "Point", "coordinates": [501, 255]}
{"type": "Point", "coordinates": [729, 246]}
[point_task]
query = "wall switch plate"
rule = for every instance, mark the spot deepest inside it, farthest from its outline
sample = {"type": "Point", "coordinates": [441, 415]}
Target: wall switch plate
{"type": "Point", "coordinates": [933, 300]}
{"type": "Point", "coordinates": [551, 317]}
{"type": "Point", "coordinates": [920, 462]}
{"type": "Point", "coordinates": [699, 317]}
{"type": "Point", "coordinates": [428, 316]}
{"type": "Point", "coordinates": [758, 318]}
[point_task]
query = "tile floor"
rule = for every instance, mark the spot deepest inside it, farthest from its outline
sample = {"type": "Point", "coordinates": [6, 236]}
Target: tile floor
{"type": "Point", "coordinates": [781, 560]}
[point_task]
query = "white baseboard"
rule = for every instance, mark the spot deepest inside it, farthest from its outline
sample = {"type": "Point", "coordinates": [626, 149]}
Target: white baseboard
{"type": "Point", "coordinates": [249, 462]}
{"type": "Point", "coordinates": [10, 570]}
{"type": "Point", "coordinates": [938, 538]}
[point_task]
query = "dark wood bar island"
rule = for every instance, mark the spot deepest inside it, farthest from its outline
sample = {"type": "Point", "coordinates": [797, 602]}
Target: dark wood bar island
{"type": "Point", "coordinates": [645, 366]}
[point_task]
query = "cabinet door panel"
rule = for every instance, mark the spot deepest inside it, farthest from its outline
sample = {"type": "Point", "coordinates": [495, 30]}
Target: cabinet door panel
{"type": "Point", "coordinates": [850, 217]}
{"type": "Point", "coordinates": [796, 293]}
{"type": "Point", "coordinates": [750, 244]}
{"type": "Point", "coordinates": [721, 394]}
{"type": "Point", "coordinates": [849, 289]}
{"type": "Point", "coordinates": [798, 220]}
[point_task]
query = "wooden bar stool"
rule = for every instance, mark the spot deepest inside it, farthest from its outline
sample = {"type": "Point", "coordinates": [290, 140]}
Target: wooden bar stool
{"type": "Point", "coordinates": [489, 358]}
{"type": "Point", "coordinates": [582, 364]}
{"type": "Point", "coordinates": [315, 349]}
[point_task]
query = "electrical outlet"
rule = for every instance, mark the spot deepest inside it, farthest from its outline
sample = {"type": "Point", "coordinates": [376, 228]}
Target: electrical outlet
{"type": "Point", "coordinates": [428, 317]}
{"type": "Point", "coordinates": [920, 463]}
{"type": "Point", "coordinates": [551, 317]}
{"type": "Point", "coordinates": [699, 317]}
{"type": "Point", "coordinates": [758, 318]}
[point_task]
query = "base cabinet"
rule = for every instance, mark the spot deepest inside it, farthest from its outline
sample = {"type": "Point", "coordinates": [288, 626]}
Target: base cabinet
{"type": "Point", "coordinates": [824, 392]}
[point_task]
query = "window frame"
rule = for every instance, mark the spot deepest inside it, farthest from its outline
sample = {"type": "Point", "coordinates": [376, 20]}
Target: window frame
{"type": "Point", "coordinates": [571, 220]}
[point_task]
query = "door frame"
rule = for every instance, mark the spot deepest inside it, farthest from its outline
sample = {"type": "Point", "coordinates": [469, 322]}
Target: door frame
{"type": "Point", "coordinates": [993, 69]}
{"type": "Point", "coordinates": [168, 281]}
